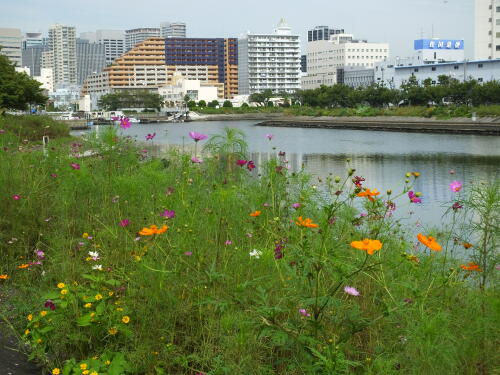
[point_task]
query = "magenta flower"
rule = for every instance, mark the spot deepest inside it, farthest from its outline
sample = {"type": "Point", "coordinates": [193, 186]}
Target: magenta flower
{"type": "Point", "coordinates": [269, 136]}
{"type": "Point", "coordinates": [250, 165]}
{"type": "Point", "coordinates": [351, 291]}
{"type": "Point", "coordinates": [124, 123]}
{"type": "Point", "coordinates": [53, 175]}
{"type": "Point", "coordinates": [228, 242]}
{"type": "Point", "coordinates": [169, 214]}
{"type": "Point", "coordinates": [50, 304]}
{"type": "Point", "coordinates": [16, 197]}
{"type": "Point", "coordinates": [304, 312]}
{"type": "Point", "coordinates": [413, 197]}
{"type": "Point", "coordinates": [456, 186]}
{"type": "Point", "coordinates": [150, 137]}
{"type": "Point", "coordinates": [456, 206]}
{"type": "Point", "coordinates": [241, 163]}
{"type": "Point", "coordinates": [188, 253]}
{"type": "Point", "coordinates": [75, 165]}
{"type": "Point", "coordinates": [124, 222]}
{"type": "Point", "coordinates": [197, 136]}
{"type": "Point", "coordinates": [296, 205]}
{"type": "Point", "coordinates": [40, 254]}
{"type": "Point", "coordinates": [195, 160]}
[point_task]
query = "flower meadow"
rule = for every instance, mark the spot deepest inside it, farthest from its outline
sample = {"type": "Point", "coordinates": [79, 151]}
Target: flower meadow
{"type": "Point", "coordinates": [209, 264]}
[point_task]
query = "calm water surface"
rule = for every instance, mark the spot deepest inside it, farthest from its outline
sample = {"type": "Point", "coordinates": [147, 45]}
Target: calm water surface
{"type": "Point", "coordinates": [382, 158]}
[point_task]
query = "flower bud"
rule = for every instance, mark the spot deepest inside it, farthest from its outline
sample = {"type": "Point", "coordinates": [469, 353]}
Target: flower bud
{"type": "Point", "coordinates": [408, 174]}
{"type": "Point", "coordinates": [337, 179]}
{"type": "Point", "coordinates": [389, 192]}
{"type": "Point", "coordinates": [351, 171]}
{"type": "Point", "coordinates": [418, 194]}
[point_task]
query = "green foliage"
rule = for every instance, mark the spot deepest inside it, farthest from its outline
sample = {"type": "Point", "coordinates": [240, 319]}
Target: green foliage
{"type": "Point", "coordinates": [18, 90]}
{"type": "Point", "coordinates": [227, 104]}
{"type": "Point", "coordinates": [198, 302]}
{"type": "Point", "coordinates": [261, 98]}
{"type": "Point", "coordinates": [33, 127]}
{"type": "Point", "coordinates": [213, 104]}
{"type": "Point", "coordinates": [130, 99]}
{"type": "Point", "coordinates": [202, 103]}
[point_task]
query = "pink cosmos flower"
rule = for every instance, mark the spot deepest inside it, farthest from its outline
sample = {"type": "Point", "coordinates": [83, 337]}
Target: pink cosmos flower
{"type": "Point", "coordinates": [40, 254]}
{"type": "Point", "coordinates": [296, 205]}
{"type": "Point", "coordinates": [150, 137]}
{"type": "Point", "coordinates": [16, 197]}
{"type": "Point", "coordinates": [351, 291]}
{"type": "Point", "coordinates": [169, 214]}
{"type": "Point", "coordinates": [413, 197]}
{"type": "Point", "coordinates": [269, 136]}
{"type": "Point", "coordinates": [2, 131]}
{"type": "Point", "coordinates": [197, 136]}
{"type": "Point", "coordinates": [456, 186]}
{"type": "Point", "coordinates": [124, 222]}
{"type": "Point", "coordinates": [195, 160]}
{"type": "Point", "coordinates": [228, 242]}
{"type": "Point", "coordinates": [188, 253]}
{"type": "Point", "coordinates": [456, 206]}
{"type": "Point", "coordinates": [304, 312]}
{"type": "Point", "coordinates": [53, 175]}
{"type": "Point", "coordinates": [75, 165]}
{"type": "Point", "coordinates": [124, 123]}
{"type": "Point", "coordinates": [241, 163]}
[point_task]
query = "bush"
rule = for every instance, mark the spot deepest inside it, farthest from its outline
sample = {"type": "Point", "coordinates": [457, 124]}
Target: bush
{"type": "Point", "coordinates": [33, 128]}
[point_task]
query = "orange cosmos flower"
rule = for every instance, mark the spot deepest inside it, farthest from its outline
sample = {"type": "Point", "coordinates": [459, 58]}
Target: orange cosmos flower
{"type": "Point", "coordinates": [308, 223]}
{"type": "Point", "coordinates": [153, 229]}
{"type": "Point", "coordinates": [25, 265]}
{"type": "Point", "coordinates": [4, 277]}
{"type": "Point", "coordinates": [255, 214]}
{"type": "Point", "coordinates": [467, 245]}
{"type": "Point", "coordinates": [369, 194]}
{"type": "Point", "coordinates": [370, 246]}
{"type": "Point", "coordinates": [429, 241]}
{"type": "Point", "coordinates": [472, 266]}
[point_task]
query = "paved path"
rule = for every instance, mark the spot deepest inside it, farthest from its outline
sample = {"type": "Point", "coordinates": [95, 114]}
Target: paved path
{"type": "Point", "coordinates": [12, 361]}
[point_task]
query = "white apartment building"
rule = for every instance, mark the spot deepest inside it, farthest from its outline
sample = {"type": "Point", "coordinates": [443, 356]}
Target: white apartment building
{"type": "Point", "coordinates": [10, 44]}
{"type": "Point", "coordinates": [61, 54]}
{"type": "Point", "coordinates": [327, 58]}
{"type": "Point", "coordinates": [197, 90]}
{"type": "Point", "coordinates": [269, 61]}
{"type": "Point", "coordinates": [134, 36]}
{"type": "Point", "coordinates": [113, 41]}
{"type": "Point", "coordinates": [487, 29]}
{"type": "Point", "coordinates": [173, 30]}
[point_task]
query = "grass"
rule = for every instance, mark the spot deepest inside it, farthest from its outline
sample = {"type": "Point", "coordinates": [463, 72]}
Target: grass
{"type": "Point", "coordinates": [33, 128]}
{"type": "Point", "coordinates": [193, 300]}
{"type": "Point", "coordinates": [441, 112]}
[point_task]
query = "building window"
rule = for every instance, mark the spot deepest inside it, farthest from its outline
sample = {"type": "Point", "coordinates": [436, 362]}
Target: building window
{"type": "Point", "coordinates": [498, 22]}
{"type": "Point", "coordinates": [498, 9]}
{"type": "Point", "coordinates": [433, 68]}
{"type": "Point", "coordinates": [415, 70]}
{"type": "Point", "coordinates": [480, 80]}
{"type": "Point", "coordinates": [479, 65]}
{"type": "Point", "coordinates": [498, 47]}
{"type": "Point", "coordinates": [455, 67]}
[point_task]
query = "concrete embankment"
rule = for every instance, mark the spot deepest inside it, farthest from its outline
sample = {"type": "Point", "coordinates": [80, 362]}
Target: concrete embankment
{"type": "Point", "coordinates": [482, 126]}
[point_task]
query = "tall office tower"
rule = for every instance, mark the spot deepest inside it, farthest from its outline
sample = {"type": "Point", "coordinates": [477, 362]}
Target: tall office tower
{"type": "Point", "coordinates": [90, 59]}
{"type": "Point", "coordinates": [135, 36]}
{"type": "Point", "coordinates": [269, 61]}
{"type": "Point", "coordinates": [113, 41]}
{"type": "Point", "coordinates": [173, 29]}
{"type": "Point", "coordinates": [33, 39]}
{"type": "Point", "coordinates": [327, 58]}
{"type": "Point", "coordinates": [206, 59]}
{"type": "Point", "coordinates": [322, 33]}
{"type": "Point", "coordinates": [61, 54]}
{"type": "Point", "coordinates": [32, 58]}
{"type": "Point", "coordinates": [10, 44]}
{"type": "Point", "coordinates": [487, 30]}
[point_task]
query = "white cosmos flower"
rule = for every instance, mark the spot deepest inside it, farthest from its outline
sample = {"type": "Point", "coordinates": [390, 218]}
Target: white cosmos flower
{"type": "Point", "coordinates": [255, 253]}
{"type": "Point", "coordinates": [97, 267]}
{"type": "Point", "coordinates": [94, 255]}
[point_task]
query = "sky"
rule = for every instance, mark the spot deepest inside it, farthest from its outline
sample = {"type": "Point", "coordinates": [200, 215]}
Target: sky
{"type": "Point", "coordinates": [397, 22]}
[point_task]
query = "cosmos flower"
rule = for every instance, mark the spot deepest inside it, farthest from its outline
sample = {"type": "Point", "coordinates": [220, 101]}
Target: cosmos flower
{"type": "Point", "coordinates": [255, 253]}
{"type": "Point", "coordinates": [124, 222]}
{"type": "Point", "coordinates": [124, 123]}
{"type": "Point", "coordinates": [75, 166]}
{"type": "Point", "coordinates": [197, 136]}
{"type": "Point", "coordinates": [413, 197]}
{"type": "Point", "coordinates": [195, 160]}
{"type": "Point", "coordinates": [269, 136]}
{"type": "Point", "coordinates": [351, 291]}
{"type": "Point", "coordinates": [150, 137]}
{"type": "Point", "coordinates": [429, 241]}
{"type": "Point", "coordinates": [455, 186]}
{"type": "Point", "coordinates": [304, 313]}
{"type": "Point", "coordinates": [370, 246]}
{"type": "Point", "coordinates": [369, 194]}
{"type": "Point", "coordinates": [241, 163]}
{"type": "Point", "coordinates": [307, 223]}
{"type": "Point", "coordinates": [169, 214]}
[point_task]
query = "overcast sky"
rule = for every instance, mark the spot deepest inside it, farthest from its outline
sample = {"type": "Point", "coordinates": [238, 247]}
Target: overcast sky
{"type": "Point", "coordinates": [397, 22]}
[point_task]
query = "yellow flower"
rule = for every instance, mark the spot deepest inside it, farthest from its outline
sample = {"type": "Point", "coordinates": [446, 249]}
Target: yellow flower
{"type": "Point", "coordinates": [27, 332]}
{"type": "Point", "coordinates": [112, 331]}
{"type": "Point", "coordinates": [85, 235]}
{"type": "Point", "coordinates": [85, 372]}
{"type": "Point", "coordinates": [92, 314]}
{"type": "Point", "coordinates": [64, 291]}
{"type": "Point", "coordinates": [119, 309]}
{"type": "Point", "coordinates": [39, 341]}
{"type": "Point", "coordinates": [94, 373]}
{"type": "Point", "coordinates": [110, 294]}
{"type": "Point", "coordinates": [98, 297]}
{"type": "Point", "coordinates": [56, 371]}
{"type": "Point", "coordinates": [61, 285]}
{"type": "Point", "coordinates": [43, 313]}
{"type": "Point", "coordinates": [125, 319]}
{"type": "Point", "coordinates": [83, 366]}
{"type": "Point", "coordinates": [107, 363]}
{"type": "Point", "coordinates": [30, 317]}
{"type": "Point", "coordinates": [87, 305]}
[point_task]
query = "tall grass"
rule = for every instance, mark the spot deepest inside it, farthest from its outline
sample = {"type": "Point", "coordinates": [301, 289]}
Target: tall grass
{"type": "Point", "coordinates": [198, 301]}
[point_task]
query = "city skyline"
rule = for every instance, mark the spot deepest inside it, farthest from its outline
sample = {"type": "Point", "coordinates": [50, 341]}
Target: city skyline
{"type": "Point", "coordinates": [397, 22]}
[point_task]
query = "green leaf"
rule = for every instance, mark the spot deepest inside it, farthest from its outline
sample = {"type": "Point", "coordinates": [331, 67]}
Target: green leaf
{"type": "Point", "coordinates": [84, 321]}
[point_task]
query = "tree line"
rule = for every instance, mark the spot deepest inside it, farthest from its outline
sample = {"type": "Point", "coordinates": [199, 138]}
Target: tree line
{"type": "Point", "coordinates": [446, 90]}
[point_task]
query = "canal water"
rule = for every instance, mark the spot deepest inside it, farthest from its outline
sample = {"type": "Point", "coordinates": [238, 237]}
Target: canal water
{"type": "Point", "coordinates": [382, 158]}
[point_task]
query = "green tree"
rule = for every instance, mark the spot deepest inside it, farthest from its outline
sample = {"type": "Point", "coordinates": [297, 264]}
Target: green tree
{"type": "Point", "coordinates": [18, 90]}
{"type": "Point", "coordinates": [130, 99]}
{"type": "Point", "coordinates": [227, 104]}
{"type": "Point", "coordinates": [202, 103]}
{"type": "Point", "coordinates": [213, 104]}
{"type": "Point", "coordinates": [261, 97]}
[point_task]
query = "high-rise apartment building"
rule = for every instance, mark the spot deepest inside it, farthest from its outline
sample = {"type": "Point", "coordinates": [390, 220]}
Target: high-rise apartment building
{"type": "Point", "coordinates": [90, 59]}
{"type": "Point", "coordinates": [113, 41]}
{"type": "Point", "coordinates": [487, 29]}
{"type": "Point", "coordinates": [61, 54]}
{"type": "Point", "coordinates": [32, 58]}
{"type": "Point", "coordinates": [217, 57]}
{"type": "Point", "coordinates": [269, 61]}
{"type": "Point", "coordinates": [322, 33]}
{"type": "Point", "coordinates": [135, 36]}
{"type": "Point", "coordinates": [327, 59]}
{"type": "Point", "coordinates": [10, 44]}
{"type": "Point", "coordinates": [173, 30]}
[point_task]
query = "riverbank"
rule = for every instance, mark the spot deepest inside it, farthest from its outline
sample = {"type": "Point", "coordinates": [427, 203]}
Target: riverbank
{"type": "Point", "coordinates": [483, 126]}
